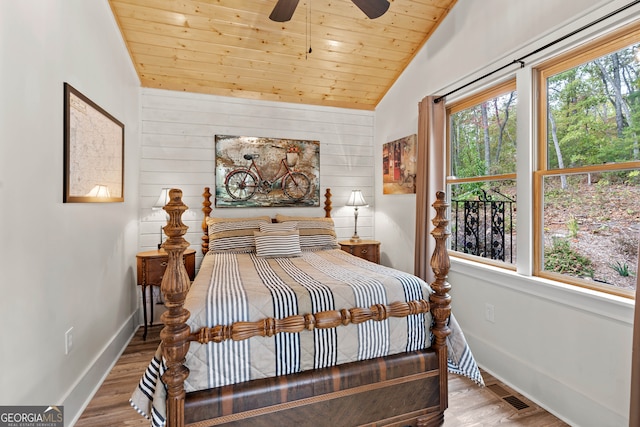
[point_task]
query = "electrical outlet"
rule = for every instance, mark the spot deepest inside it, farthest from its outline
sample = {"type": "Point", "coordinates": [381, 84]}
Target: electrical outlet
{"type": "Point", "coordinates": [489, 313]}
{"type": "Point", "coordinates": [68, 340]}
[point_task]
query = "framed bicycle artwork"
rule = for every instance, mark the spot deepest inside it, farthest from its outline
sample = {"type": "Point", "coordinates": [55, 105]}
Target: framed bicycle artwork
{"type": "Point", "coordinates": [266, 172]}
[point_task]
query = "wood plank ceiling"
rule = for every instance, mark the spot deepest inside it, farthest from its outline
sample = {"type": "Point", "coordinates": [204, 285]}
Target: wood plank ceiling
{"type": "Point", "coordinates": [328, 54]}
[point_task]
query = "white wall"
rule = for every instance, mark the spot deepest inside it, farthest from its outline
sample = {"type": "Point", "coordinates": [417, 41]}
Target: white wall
{"type": "Point", "coordinates": [61, 265]}
{"type": "Point", "coordinates": [178, 150]}
{"type": "Point", "coordinates": [567, 349]}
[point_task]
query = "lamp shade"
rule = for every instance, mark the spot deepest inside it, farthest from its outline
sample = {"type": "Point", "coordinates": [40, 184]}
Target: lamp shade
{"type": "Point", "coordinates": [99, 191]}
{"type": "Point", "coordinates": [356, 199]}
{"type": "Point", "coordinates": [163, 199]}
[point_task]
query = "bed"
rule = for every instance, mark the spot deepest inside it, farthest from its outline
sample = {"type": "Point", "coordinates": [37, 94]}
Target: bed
{"type": "Point", "coordinates": [281, 327]}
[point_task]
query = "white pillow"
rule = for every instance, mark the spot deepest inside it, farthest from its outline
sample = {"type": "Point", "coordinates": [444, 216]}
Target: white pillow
{"type": "Point", "coordinates": [278, 244]}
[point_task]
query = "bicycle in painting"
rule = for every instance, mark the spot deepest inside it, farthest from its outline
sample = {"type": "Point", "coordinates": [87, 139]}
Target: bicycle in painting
{"type": "Point", "coordinates": [243, 183]}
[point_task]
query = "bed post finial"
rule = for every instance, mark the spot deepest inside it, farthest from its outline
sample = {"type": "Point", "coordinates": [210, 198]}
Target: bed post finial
{"type": "Point", "coordinates": [440, 263]}
{"type": "Point", "coordinates": [175, 334]}
{"type": "Point", "coordinates": [206, 209]}
{"type": "Point", "coordinates": [327, 203]}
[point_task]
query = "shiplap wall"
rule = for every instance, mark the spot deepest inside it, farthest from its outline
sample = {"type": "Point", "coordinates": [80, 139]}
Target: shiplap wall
{"type": "Point", "coordinates": [177, 150]}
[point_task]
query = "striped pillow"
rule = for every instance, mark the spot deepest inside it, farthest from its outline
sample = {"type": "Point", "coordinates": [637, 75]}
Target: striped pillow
{"type": "Point", "coordinates": [234, 234]}
{"type": "Point", "coordinates": [284, 226]}
{"type": "Point", "coordinates": [316, 233]}
{"type": "Point", "coordinates": [277, 244]}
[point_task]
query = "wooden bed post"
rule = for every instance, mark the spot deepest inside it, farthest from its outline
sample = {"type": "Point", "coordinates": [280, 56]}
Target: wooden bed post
{"type": "Point", "coordinates": [175, 334]}
{"type": "Point", "coordinates": [440, 263]}
{"type": "Point", "coordinates": [206, 209]}
{"type": "Point", "coordinates": [440, 299]}
{"type": "Point", "coordinates": [327, 203]}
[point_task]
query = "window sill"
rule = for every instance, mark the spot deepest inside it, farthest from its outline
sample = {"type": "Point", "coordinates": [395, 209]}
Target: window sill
{"type": "Point", "coordinates": [592, 301]}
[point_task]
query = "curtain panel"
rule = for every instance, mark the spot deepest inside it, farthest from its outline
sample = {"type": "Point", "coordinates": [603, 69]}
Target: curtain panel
{"type": "Point", "coordinates": [430, 178]}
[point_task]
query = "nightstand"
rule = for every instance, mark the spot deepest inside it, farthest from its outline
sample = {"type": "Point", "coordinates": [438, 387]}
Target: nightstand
{"type": "Point", "coordinates": [151, 266]}
{"type": "Point", "coordinates": [365, 249]}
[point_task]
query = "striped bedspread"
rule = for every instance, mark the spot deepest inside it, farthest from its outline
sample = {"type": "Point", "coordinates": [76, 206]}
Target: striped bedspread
{"type": "Point", "coordinates": [244, 287]}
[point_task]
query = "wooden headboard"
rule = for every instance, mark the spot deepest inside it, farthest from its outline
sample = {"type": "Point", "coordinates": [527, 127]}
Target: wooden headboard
{"type": "Point", "coordinates": [206, 209]}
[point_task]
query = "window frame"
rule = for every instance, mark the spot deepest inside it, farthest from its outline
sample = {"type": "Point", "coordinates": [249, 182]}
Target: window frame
{"type": "Point", "coordinates": [532, 132]}
{"type": "Point", "coordinates": [472, 100]}
{"type": "Point", "coordinates": [579, 55]}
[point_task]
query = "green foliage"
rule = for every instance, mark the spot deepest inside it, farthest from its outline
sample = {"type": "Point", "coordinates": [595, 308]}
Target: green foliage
{"type": "Point", "coordinates": [492, 190]}
{"type": "Point", "coordinates": [469, 162]}
{"type": "Point", "coordinates": [622, 269]}
{"type": "Point", "coordinates": [633, 177]}
{"type": "Point", "coordinates": [573, 226]}
{"type": "Point", "coordinates": [560, 258]}
{"type": "Point", "coordinates": [482, 138]}
{"type": "Point", "coordinates": [593, 125]}
{"type": "Point", "coordinates": [469, 191]}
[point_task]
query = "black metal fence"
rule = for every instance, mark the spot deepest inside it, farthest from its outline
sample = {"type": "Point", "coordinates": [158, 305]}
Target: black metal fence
{"type": "Point", "coordinates": [484, 226]}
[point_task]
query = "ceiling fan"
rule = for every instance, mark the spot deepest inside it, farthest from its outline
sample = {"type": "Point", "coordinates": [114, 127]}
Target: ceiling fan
{"type": "Point", "coordinates": [283, 11]}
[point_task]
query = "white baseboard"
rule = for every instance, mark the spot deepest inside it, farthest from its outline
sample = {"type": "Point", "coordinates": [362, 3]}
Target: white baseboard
{"type": "Point", "coordinates": [86, 387]}
{"type": "Point", "coordinates": [558, 398]}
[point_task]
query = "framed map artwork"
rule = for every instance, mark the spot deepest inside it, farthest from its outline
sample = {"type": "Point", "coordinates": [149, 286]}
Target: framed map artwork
{"type": "Point", "coordinates": [267, 172]}
{"type": "Point", "coordinates": [93, 151]}
{"type": "Point", "coordinates": [399, 161]}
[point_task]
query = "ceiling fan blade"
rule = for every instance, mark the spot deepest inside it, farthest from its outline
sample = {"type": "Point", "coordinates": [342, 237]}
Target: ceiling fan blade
{"type": "Point", "coordinates": [283, 10]}
{"type": "Point", "coordinates": [372, 8]}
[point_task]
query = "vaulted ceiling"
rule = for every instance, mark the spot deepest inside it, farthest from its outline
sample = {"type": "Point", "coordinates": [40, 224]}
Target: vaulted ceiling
{"type": "Point", "coordinates": [328, 54]}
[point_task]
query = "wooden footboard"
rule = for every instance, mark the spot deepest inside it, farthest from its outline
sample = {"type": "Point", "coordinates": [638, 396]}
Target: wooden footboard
{"type": "Point", "coordinates": [428, 379]}
{"type": "Point", "coordinates": [270, 326]}
{"type": "Point", "coordinates": [395, 390]}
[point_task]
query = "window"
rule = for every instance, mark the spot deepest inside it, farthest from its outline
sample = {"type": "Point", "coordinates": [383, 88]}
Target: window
{"type": "Point", "coordinates": [584, 158]}
{"type": "Point", "coordinates": [482, 174]}
{"type": "Point", "coordinates": [588, 178]}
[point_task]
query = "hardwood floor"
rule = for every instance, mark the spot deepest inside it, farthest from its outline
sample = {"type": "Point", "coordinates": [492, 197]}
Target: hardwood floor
{"type": "Point", "coordinates": [496, 404]}
{"type": "Point", "coordinates": [469, 405]}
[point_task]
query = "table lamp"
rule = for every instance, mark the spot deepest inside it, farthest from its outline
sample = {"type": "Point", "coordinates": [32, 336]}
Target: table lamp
{"type": "Point", "coordinates": [356, 200]}
{"type": "Point", "coordinates": [163, 199]}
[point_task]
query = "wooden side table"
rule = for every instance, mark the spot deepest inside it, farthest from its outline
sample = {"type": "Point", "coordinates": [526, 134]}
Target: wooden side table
{"type": "Point", "coordinates": [365, 249]}
{"type": "Point", "coordinates": [151, 266]}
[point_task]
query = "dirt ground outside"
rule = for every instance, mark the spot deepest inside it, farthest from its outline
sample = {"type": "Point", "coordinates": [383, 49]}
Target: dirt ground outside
{"type": "Point", "coordinates": [601, 223]}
